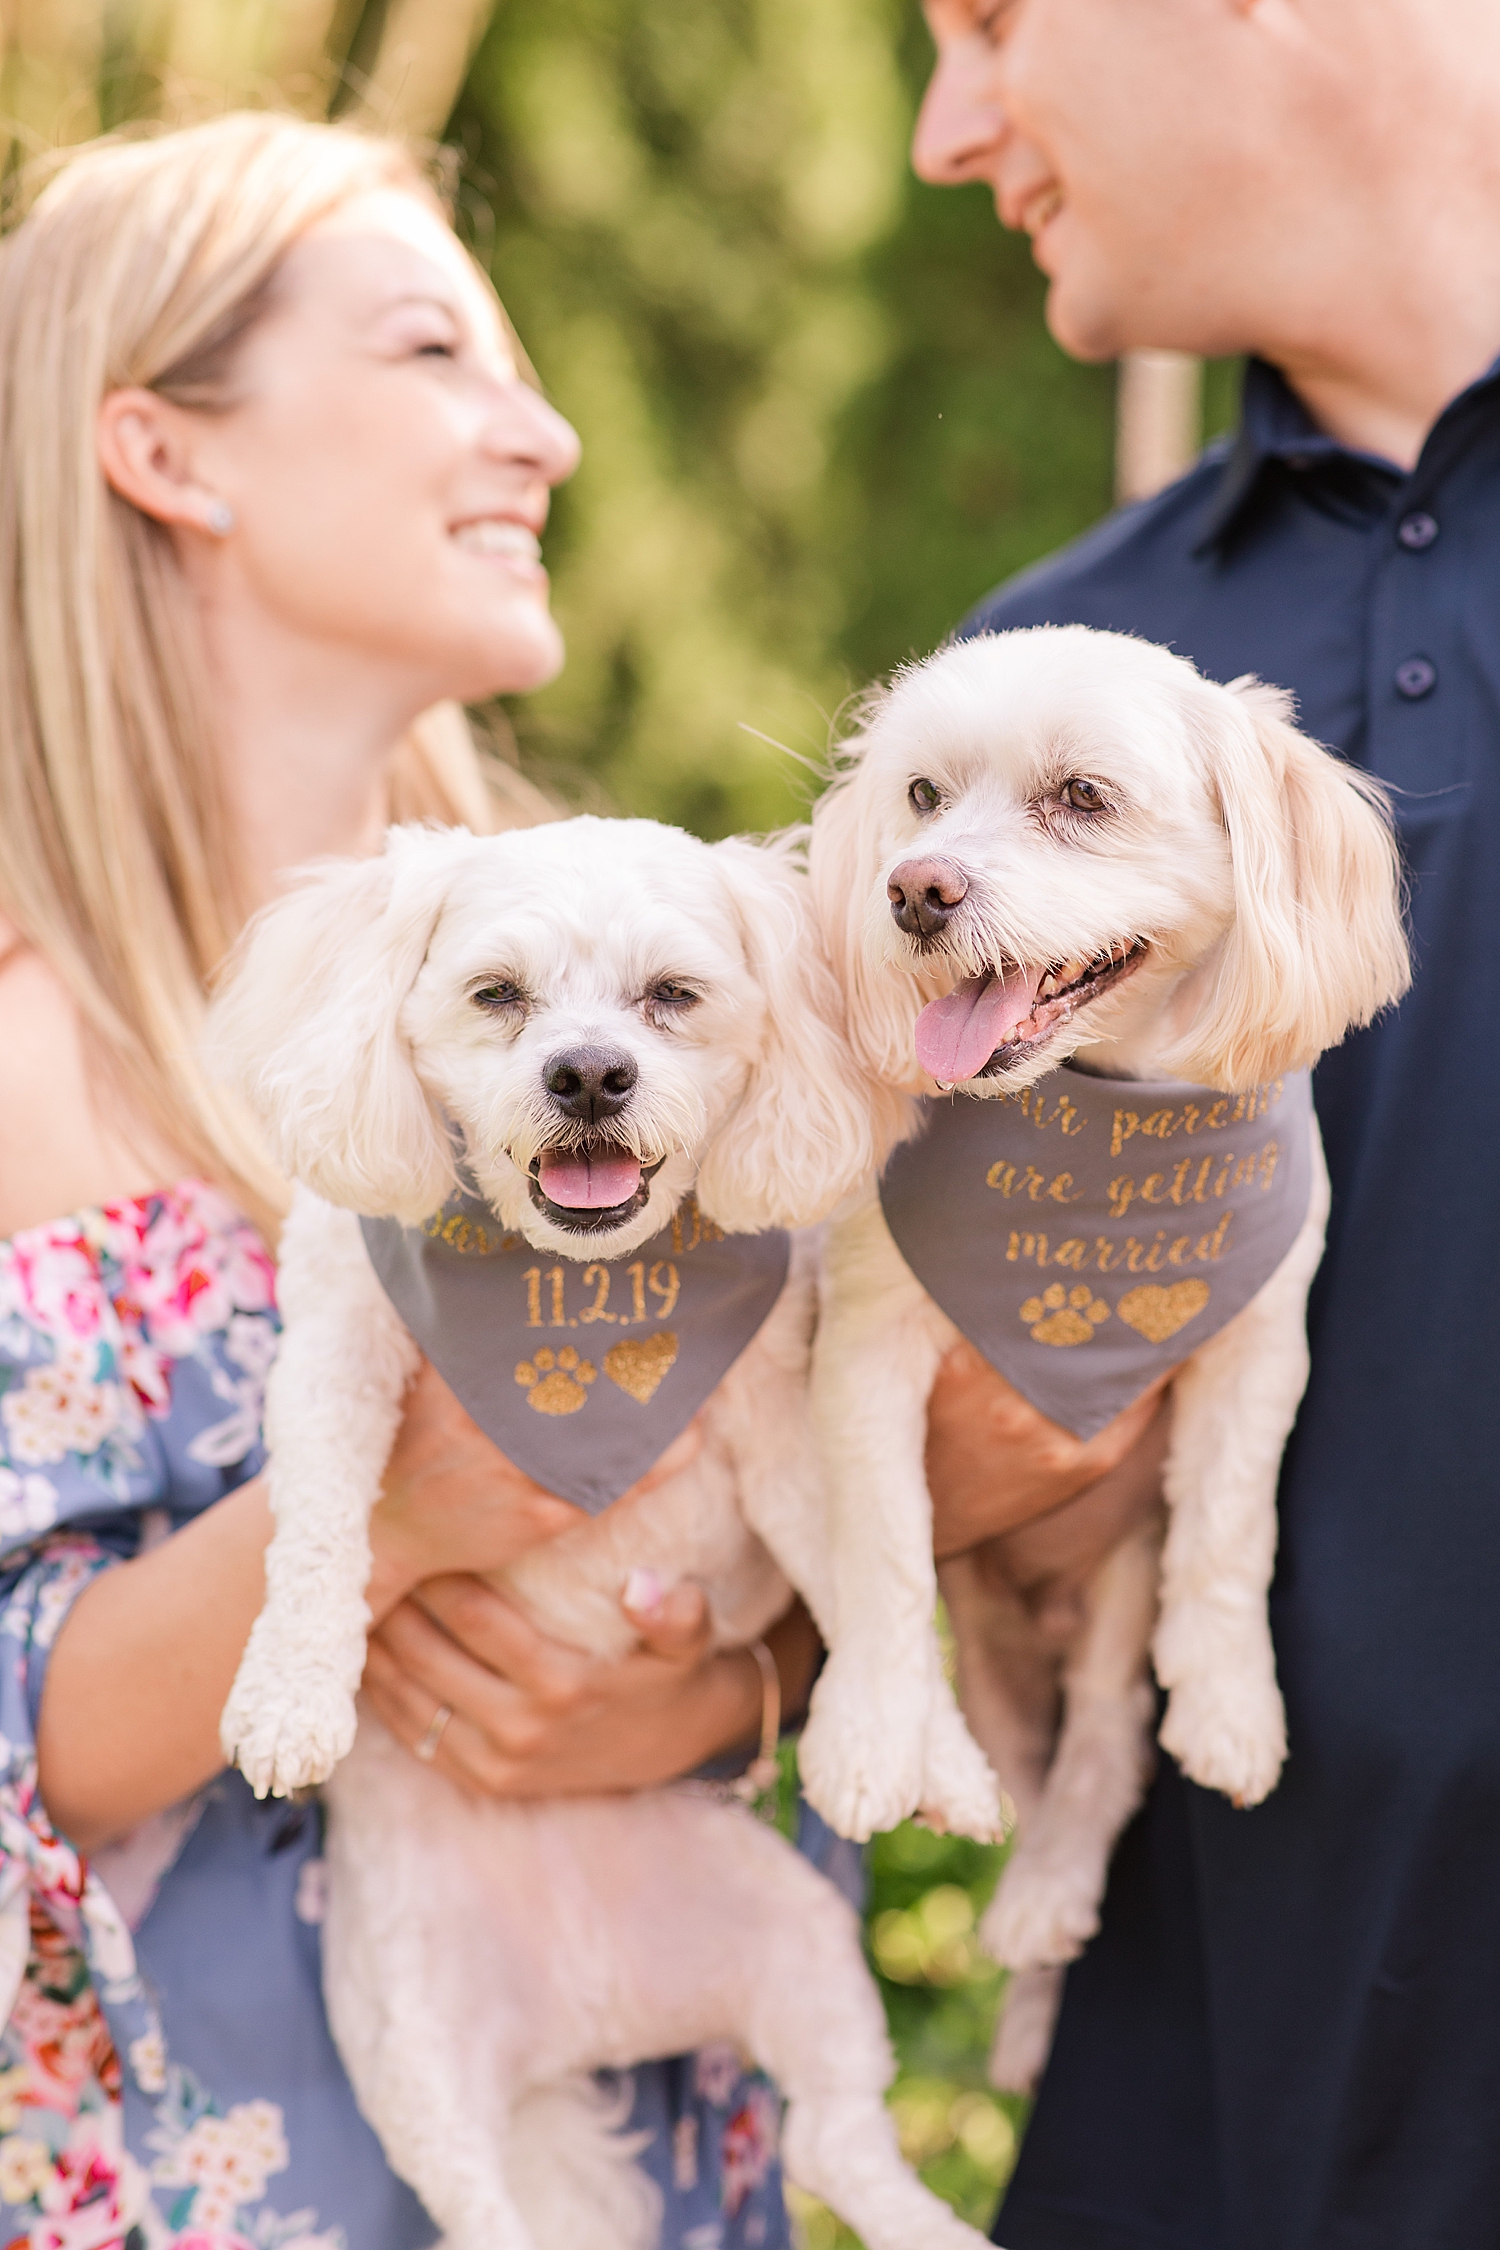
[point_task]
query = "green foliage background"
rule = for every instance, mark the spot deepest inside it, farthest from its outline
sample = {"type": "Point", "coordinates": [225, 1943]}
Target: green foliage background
{"type": "Point", "coordinates": [821, 416]}
{"type": "Point", "coordinates": [820, 411]}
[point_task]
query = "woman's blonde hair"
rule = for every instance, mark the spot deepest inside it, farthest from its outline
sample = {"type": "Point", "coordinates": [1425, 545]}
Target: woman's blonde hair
{"type": "Point", "coordinates": [147, 262]}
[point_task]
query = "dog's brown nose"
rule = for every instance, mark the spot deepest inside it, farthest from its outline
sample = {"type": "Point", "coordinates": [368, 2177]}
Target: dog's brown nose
{"type": "Point", "coordinates": [923, 894]}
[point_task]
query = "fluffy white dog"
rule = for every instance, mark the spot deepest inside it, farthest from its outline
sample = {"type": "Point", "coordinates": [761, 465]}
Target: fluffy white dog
{"type": "Point", "coordinates": [1064, 844]}
{"type": "Point", "coordinates": [560, 1039]}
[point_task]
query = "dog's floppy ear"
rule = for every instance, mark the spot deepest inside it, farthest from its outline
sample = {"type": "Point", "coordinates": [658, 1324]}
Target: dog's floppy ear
{"type": "Point", "coordinates": [1318, 944]}
{"type": "Point", "coordinates": [844, 860]}
{"type": "Point", "coordinates": [306, 1026]}
{"type": "Point", "coordinates": [807, 1127]}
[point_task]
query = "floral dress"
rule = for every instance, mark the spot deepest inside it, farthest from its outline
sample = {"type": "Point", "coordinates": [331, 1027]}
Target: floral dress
{"type": "Point", "coordinates": [167, 2077]}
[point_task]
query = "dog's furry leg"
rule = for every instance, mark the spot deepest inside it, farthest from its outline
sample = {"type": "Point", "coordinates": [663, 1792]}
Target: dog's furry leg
{"type": "Point", "coordinates": [1009, 1674]}
{"type": "Point", "coordinates": [332, 1409]}
{"type": "Point", "coordinates": [769, 1429]}
{"type": "Point", "coordinates": [815, 2022]}
{"type": "Point", "coordinates": [1010, 1682]}
{"type": "Point", "coordinates": [1047, 1905]}
{"type": "Point", "coordinates": [442, 2108]}
{"type": "Point", "coordinates": [1233, 1408]}
{"type": "Point", "coordinates": [573, 2172]}
{"type": "Point", "coordinates": [1029, 2009]}
{"type": "Point", "coordinates": [884, 1737]}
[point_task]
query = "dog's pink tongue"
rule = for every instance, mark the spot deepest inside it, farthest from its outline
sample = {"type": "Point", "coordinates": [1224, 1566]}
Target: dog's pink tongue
{"type": "Point", "coordinates": [956, 1036]}
{"type": "Point", "coordinates": [589, 1183]}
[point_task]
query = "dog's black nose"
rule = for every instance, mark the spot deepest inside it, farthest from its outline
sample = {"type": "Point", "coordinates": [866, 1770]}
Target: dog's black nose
{"type": "Point", "coordinates": [591, 1083]}
{"type": "Point", "coordinates": [924, 893]}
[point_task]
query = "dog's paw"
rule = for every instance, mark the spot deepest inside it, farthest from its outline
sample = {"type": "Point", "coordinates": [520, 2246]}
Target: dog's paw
{"type": "Point", "coordinates": [282, 1736]}
{"type": "Point", "coordinates": [1227, 1731]}
{"type": "Point", "coordinates": [861, 1753]}
{"type": "Point", "coordinates": [1045, 1910]}
{"type": "Point", "coordinates": [960, 1795]}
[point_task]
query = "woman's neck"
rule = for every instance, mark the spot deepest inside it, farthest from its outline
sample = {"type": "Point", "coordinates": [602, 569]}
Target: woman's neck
{"type": "Point", "coordinates": [306, 735]}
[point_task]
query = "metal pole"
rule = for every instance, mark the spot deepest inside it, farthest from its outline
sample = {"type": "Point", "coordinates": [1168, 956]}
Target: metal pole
{"type": "Point", "coordinates": [1159, 421]}
{"type": "Point", "coordinates": [425, 50]}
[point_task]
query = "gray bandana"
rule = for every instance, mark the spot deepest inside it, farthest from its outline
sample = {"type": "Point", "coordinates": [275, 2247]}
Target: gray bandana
{"type": "Point", "coordinates": [1089, 1233]}
{"type": "Point", "coordinates": [582, 1373]}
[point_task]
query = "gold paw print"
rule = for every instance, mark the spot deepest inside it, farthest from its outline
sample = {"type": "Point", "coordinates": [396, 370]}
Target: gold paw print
{"type": "Point", "coordinates": [554, 1382]}
{"type": "Point", "coordinates": [1064, 1316]}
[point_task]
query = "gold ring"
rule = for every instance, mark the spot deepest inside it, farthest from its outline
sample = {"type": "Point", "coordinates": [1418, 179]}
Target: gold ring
{"type": "Point", "coordinates": [427, 1748]}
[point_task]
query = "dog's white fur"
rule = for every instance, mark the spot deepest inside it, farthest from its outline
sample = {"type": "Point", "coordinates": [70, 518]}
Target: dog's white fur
{"type": "Point", "coordinates": [1263, 873]}
{"type": "Point", "coordinates": [483, 1957]}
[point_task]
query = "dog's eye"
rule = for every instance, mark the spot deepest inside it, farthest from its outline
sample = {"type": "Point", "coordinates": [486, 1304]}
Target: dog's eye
{"type": "Point", "coordinates": [924, 796]}
{"type": "Point", "coordinates": [671, 993]}
{"type": "Point", "coordinates": [1084, 796]}
{"type": "Point", "coordinates": [498, 995]}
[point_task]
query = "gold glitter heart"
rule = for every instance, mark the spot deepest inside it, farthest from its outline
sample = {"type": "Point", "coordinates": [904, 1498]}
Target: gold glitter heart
{"type": "Point", "coordinates": [1157, 1313]}
{"type": "Point", "coordinates": [638, 1363]}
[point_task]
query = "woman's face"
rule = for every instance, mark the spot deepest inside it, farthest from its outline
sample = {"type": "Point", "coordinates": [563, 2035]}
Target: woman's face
{"type": "Point", "coordinates": [388, 468]}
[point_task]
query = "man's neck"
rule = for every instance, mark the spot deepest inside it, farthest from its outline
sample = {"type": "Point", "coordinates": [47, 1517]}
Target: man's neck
{"type": "Point", "coordinates": [1389, 409]}
{"type": "Point", "coordinates": [1392, 304]}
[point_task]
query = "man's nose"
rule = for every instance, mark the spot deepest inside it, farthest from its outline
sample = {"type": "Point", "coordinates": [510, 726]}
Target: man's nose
{"type": "Point", "coordinates": [960, 122]}
{"type": "Point", "coordinates": [924, 894]}
{"type": "Point", "coordinates": [591, 1083]}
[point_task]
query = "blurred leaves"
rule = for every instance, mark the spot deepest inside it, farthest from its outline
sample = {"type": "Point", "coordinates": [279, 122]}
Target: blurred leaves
{"type": "Point", "coordinates": [941, 1997]}
{"type": "Point", "coordinates": [820, 414]}
{"type": "Point", "coordinates": [820, 410]}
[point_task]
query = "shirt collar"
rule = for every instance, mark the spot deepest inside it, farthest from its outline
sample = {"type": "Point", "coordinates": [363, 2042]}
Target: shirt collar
{"type": "Point", "coordinates": [1276, 426]}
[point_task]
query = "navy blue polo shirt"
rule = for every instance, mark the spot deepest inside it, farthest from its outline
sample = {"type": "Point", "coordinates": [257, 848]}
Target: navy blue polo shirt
{"type": "Point", "coordinates": [1287, 2035]}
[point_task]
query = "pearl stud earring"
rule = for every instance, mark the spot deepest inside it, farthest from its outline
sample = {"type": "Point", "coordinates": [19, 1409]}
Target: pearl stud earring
{"type": "Point", "coordinates": [220, 518]}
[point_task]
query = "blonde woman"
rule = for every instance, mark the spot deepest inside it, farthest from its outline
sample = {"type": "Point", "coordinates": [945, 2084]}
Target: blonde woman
{"type": "Point", "coordinates": [274, 484]}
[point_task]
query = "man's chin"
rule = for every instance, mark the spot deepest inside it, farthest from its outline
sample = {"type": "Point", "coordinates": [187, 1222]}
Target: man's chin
{"type": "Point", "coordinates": [1085, 324]}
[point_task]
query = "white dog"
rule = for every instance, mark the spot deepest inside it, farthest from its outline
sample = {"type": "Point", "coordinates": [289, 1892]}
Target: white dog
{"type": "Point", "coordinates": [601, 1021]}
{"type": "Point", "coordinates": [1067, 844]}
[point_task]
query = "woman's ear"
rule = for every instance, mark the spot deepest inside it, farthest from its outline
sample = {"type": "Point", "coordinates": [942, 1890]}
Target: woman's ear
{"type": "Point", "coordinates": [1318, 943]}
{"type": "Point", "coordinates": [809, 1126]}
{"type": "Point", "coordinates": [144, 444]}
{"type": "Point", "coordinates": [844, 859]}
{"type": "Point", "coordinates": [306, 1026]}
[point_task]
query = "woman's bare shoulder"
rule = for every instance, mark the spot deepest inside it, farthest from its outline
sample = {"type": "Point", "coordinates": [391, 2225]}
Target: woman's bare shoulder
{"type": "Point", "coordinates": [61, 1146]}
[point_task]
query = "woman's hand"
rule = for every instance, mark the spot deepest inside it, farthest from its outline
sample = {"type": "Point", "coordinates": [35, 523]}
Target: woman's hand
{"type": "Point", "coordinates": [451, 1500]}
{"type": "Point", "coordinates": [534, 1718]}
{"type": "Point", "coordinates": [531, 1716]}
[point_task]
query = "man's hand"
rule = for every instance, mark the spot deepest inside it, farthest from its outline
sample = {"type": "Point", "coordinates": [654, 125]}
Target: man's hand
{"type": "Point", "coordinates": [1043, 1507]}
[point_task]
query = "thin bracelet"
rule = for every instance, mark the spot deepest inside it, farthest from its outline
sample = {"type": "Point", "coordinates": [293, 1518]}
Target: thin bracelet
{"type": "Point", "coordinates": [757, 1785]}
{"type": "Point", "coordinates": [764, 1770]}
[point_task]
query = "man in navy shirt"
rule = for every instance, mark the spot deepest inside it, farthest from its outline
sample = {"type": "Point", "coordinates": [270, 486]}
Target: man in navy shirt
{"type": "Point", "coordinates": [1287, 2034]}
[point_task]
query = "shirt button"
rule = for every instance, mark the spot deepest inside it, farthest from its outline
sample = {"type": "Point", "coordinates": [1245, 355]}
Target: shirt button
{"type": "Point", "coordinates": [1416, 677]}
{"type": "Point", "coordinates": [1418, 530]}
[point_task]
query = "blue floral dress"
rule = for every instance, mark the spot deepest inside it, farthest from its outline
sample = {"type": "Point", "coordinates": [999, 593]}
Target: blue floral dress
{"type": "Point", "coordinates": [167, 2078]}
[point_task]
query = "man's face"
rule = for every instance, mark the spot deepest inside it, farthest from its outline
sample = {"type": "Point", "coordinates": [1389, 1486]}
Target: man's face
{"type": "Point", "coordinates": [1134, 144]}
